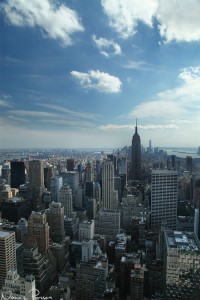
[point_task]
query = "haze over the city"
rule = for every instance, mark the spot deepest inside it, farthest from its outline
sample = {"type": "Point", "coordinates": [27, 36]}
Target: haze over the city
{"type": "Point", "coordinates": [78, 73]}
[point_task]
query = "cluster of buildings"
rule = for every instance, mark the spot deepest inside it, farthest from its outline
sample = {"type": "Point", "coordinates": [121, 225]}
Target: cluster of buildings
{"type": "Point", "coordinates": [103, 228]}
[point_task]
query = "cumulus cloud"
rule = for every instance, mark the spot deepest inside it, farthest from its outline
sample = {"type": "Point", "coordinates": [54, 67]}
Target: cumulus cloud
{"type": "Point", "coordinates": [56, 21]}
{"type": "Point", "coordinates": [107, 47]}
{"type": "Point", "coordinates": [178, 20]}
{"type": "Point", "coordinates": [100, 81]}
{"type": "Point", "coordinates": [124, 15]}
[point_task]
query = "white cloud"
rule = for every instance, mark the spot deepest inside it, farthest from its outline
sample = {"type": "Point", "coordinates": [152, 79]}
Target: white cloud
{"type": "Point", "coordinates": [112, 127]}
{"type": "Point", "coordinates": [136, 65]}
{"type": "Point", "coordinates": [107, 47]}
{"type": "Point", "coordinates": [100, 81]}
{"type": "Point", "coordinates": [178, 20]}
{"type": "Point", "coordinates": [32, 113]}
{"type": "Point", "coordinates": [124, 15]}
{"type": "Point", "coordinates": [180, 103]}
{"type": "Point", "coordinates": [115, 127]}
{"type": "Point", "coordinates": [57, 21]}
{"type": "Point", "coordinates": [5, 103]}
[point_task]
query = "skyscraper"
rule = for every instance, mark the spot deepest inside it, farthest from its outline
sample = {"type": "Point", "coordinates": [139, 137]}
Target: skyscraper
{"type": "Point", "coordinates": [55, 185]}
{"type": "Point", "coordinates": [7, 254]}
{"type": "Point", "coordinates": [65, 198]}
{"type": "Point", "coordinates": [38, 232]}
{"type": "Point", "coordinates": [109, 195]}
{"type": "Point", "coordinates": [36, 181]}
{"type": "Point", "coordinates": [164, 198]}
{"type": "Point", "coordinates": [136, 156]}
{"type": "Point", "coordinates": [18, 176]}
{"type": "Point", "coordinates": [56, 222]}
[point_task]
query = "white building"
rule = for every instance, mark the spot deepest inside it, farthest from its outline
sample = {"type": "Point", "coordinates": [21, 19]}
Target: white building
{"type": "Point", "coordinates": [19, 288]}
{"type": "Point", "coordinates": [86, 230]}
{"type": "Point", "coordinates": [87, 250]}
{"type": "Point", "coordinates": [164, 198]}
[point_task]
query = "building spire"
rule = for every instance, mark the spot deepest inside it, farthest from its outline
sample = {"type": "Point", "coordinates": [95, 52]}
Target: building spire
{"type": "Point", "coordinates": [136, 126]}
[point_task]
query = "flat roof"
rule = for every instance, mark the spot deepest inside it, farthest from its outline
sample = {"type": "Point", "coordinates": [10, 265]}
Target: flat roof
{"type": "Point", "coordinates": [4, 234]}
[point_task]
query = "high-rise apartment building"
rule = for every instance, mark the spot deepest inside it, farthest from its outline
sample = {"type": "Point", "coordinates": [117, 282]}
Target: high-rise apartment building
{"type": "Point", "coordinates": [7, 254]}
{"type": "Point", "coordinates": [109, 195]}
{"type": "Point", "coordinates": [56, 222]}
{"type": "Point", "coordinates": [164, 198]}
{"type": "Point", "coordinates": [38, 232]}
{"type": "Point", "coordinates": [18, 175]}
{"type": "Point", "coordinates": [136, 156]}
{"type": "Point", "coordinates": [181, 265]}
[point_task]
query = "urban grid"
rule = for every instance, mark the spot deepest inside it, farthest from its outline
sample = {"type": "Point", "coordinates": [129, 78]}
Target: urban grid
{"type": "Point", "coordinates": [89, 224]}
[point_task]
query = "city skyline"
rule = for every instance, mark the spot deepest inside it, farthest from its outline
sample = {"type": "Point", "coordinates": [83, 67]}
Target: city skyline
{"type": "Point", "coordinates": [77, 74]}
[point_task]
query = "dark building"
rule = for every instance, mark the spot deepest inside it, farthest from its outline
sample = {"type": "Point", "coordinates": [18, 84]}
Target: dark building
{"type": "Point", "coordinates": [70, 164]}
{"type": "Point", "coordinates": [15, 208]}
{"type": "Point", "coordinates": [18, 176]}
{"type": "Point", "coordinates": [136, 156]}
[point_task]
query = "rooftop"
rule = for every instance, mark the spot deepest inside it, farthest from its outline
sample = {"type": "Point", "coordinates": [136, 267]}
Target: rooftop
{"type": "Point", "coordinates": [182, 240]}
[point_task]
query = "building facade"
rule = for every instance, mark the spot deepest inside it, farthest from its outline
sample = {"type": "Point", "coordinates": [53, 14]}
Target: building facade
{"type": "Point", "coordinates": [164, 198]}
{"type": "Point", "coordinates": [7, 254]}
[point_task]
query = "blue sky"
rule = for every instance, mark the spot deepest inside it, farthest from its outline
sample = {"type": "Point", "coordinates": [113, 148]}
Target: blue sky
{"type": "Point", "coordinates": [77, 74]}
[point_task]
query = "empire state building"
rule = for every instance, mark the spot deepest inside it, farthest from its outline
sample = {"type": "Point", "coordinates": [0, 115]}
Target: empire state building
{"type": "Point", "coordinates": [136, 156]}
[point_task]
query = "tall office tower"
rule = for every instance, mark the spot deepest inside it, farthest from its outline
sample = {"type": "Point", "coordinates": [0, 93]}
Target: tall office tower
{"type": "Point", "coordinates": [189, 164]}
{"type": "Point", "coordinates": [48, 174]}
{"type": "Point", "coordinates": [18, 175]}
{"type": "Point", "coordinates": [36, 181]}
{"type": "Point", "coordinates": [164, 198]}
{"type": "Point", "coordinates": [65, 198]}
{"type": "Point", "coordinates": [107, 223]}
{"type": "Point", "coordinates": [86, 230]}
{"type": "Point", "coordinates": [136, 156]}
{"type": "Point", "coordinates": [56, 222]}
{"type": "Point", "coordinates": [38, 232]}
{"type": "Point", "coordinates": [174, 162]}
{"type": "Point", "coordinates": [70, 164]}
{"type": "Point", "coordinates": [89, 174]}
{"type": "Point", "coordinates": [72, 179]}
{"type": "Point", "coordinates": [109, 195]}
{"type": "Point", "coordinates": [7, 254]}
{"type": "Point", "coordinates": [17, 287]}
{"type": "Point", "coordinates": [55, 185]}
{"type": "Point", "coordinates": [181, 265]}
